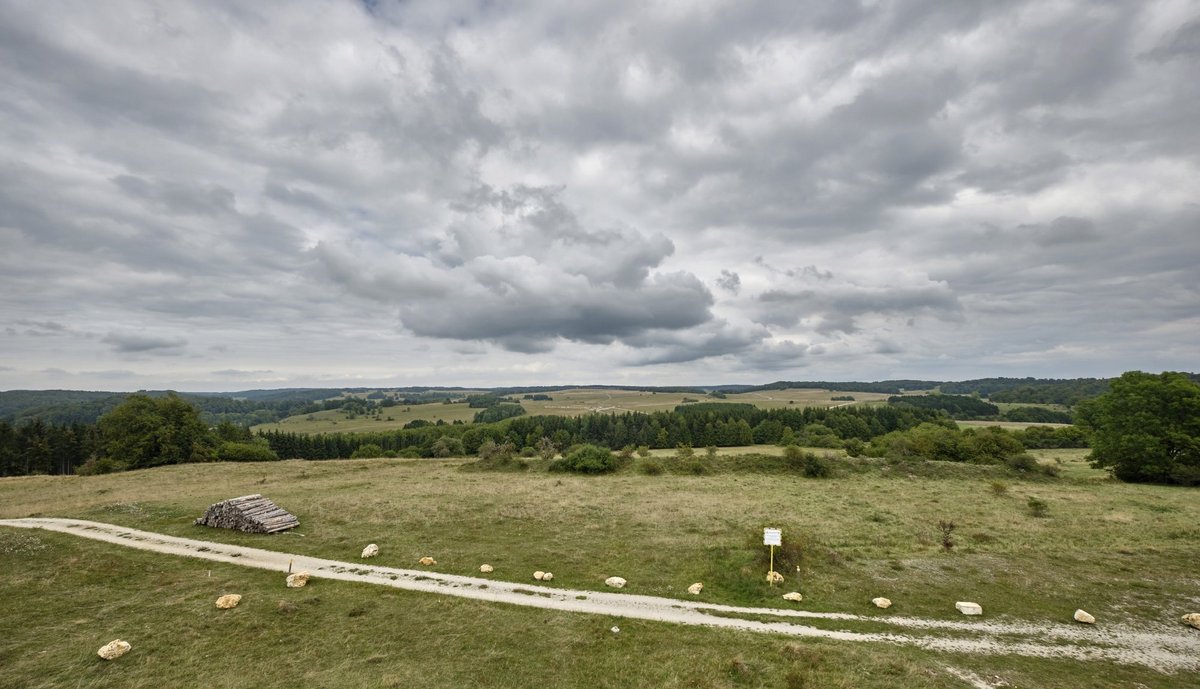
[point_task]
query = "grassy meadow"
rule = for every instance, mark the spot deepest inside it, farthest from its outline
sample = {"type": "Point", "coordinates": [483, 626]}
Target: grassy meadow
{"type": "Point", "coordinates": [563, 403]}
{"type": "Point", "coordinates": [1126, 553]}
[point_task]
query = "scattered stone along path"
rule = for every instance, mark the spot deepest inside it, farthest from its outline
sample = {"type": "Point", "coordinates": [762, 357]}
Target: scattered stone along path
{"type": "Point", "coordinates": [1164, 649]}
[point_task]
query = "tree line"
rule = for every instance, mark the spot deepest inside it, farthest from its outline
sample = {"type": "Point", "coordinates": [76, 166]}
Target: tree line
{"type": "Point", "coordinates": [1145, 429]}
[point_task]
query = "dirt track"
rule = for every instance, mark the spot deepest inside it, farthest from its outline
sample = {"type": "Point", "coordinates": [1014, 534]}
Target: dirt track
{"type": "Point", "coordinates": [1167, 649]}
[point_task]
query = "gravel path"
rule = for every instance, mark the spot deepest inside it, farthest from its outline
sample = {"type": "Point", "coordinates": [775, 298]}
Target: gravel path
{"type": "Point", "coordinates": [1166, 649]}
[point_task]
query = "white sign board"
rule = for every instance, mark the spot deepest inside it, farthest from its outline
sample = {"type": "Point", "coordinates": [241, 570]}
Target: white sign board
{"type": "Point", "coordinates": [772, 537]}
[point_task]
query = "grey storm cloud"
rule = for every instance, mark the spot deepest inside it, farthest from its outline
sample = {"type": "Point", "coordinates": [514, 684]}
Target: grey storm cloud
{"type": "Point", "coordinates": [137, 343]}
{"type": "Point", "coordinates": [839, 307]}
{"type": "Point", "coordinates": [339, 191]}
{"type": "Point", "coordinates": [517, 268]}
{"type": "Point", "coordinates": [715, 339]}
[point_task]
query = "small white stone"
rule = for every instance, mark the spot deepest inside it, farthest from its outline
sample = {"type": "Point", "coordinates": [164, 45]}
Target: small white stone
{"type": "Point", "coordinates": [547, 576]}
{"type": "Point", "coordinates": [114, 649]}
{"type": "Point", "coordinates": [1084, 617]}
{"type": "Point", "coordinates": [427, 561]}
{"type": "Point", "coordinates": [882, 602]}
{"type": "Point", "coordinates": [615, 630]}
{"type": "Point", "coordinates": [696, 588]}
{"type": "Point", "coordinates": [229, 600]}
{"type": "Point", "coordinates": [793, 596]}
{"type": "Point", "coordinates": [1192, 619]}
{"type": "Point", "coordinates": [297, 580]}
{"type": "Point", "coordinates": [370, 551]}
{"type": "Point", "coordinates": [486, 569]}
{"type": "Point", "coordinates": [968, 608]}
{"type": "Point", "coordinates": [539, 575]}
{"type": "Point", "coordinates": [615, 582]}
{"type": "Point", "coordinates": [774, 578]}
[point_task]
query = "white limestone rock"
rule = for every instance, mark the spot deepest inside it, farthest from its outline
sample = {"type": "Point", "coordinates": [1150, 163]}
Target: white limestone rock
{"type": "Point", "coordinates": [548, 576]}
{"type": "Point", "coordinates": [696, 588]}
{"type": "Point", "coordinates": [427, 561]}
{"type": "Point", "coordinates": [228, 601]}
{"type": "Point", "coordinates": [774, 578]}
{"type": "Point", "coordinates": [114, 649]}
{"type": "Point", "coordinates": [615, 582]}
{"type": "Point", "coordinates": [882, 602]}
{"type": "Point", "coordinates": [486, 569]}
{"type": "Point", "coordinates": [1084, 617]}
{"type": "Point", "coordinates": [1192, 619]}
{"type": "Point", "coordinates": [794, 596]}
{"type": "Point", "coordinates": [968, 608]}
{"type": "Point", "coordinates": [370, 551]}
{"type": "Point", "coordinates": [539, 575]}
{"type": "Point", "coordinates": [298, 580]}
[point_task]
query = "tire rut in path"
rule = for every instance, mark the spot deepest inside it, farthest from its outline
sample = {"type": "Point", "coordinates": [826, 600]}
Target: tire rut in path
{"type": "Point", "coordinates": [1162, 650]}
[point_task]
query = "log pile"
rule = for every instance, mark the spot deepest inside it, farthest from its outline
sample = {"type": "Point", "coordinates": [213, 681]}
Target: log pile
{"type": "Point", "coordinates": [249, 513]}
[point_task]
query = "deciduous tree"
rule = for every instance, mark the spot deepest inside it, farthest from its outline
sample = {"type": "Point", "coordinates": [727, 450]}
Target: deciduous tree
{"type": "Point", "coordinates": [1146, 428]}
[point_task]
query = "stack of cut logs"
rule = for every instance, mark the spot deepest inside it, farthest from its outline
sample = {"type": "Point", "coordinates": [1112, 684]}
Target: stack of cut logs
{"type": "Point", "coordinates": [249, 513]}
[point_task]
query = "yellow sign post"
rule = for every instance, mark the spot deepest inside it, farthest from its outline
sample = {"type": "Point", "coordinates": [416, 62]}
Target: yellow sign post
{"type": "Point", "coordinates": [772, 538]}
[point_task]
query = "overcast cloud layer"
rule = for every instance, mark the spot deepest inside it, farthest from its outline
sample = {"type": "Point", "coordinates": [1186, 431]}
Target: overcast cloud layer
{"type": "Point", "coordinates": [227, 195]}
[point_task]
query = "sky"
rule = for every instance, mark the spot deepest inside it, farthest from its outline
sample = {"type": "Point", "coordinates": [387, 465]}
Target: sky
{"type": "Point", "coordinates": [223, 195]}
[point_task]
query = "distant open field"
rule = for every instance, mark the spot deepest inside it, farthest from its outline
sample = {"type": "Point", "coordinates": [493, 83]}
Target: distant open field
{"type": "Point", "coordinates": [563, 403]}
{"type": "Point", "coordinates": [1126, 553]}
{"type": "Point", "coordinates": [1011, 425]}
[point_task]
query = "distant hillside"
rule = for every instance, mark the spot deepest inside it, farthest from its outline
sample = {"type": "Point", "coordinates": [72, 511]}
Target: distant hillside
{"type": "Point", "coordinates": [58, 406]}
{"type": "Point", "coordinates": [891, 387]}
{"type": "Point", "coordinates": [250, 407]}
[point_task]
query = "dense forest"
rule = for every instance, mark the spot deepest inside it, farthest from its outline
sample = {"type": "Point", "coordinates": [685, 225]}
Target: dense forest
{"type": "Point", "coordinates": [957, 406]}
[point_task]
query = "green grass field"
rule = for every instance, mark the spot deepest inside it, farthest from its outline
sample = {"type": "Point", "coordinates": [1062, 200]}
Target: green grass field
{"type": "Point", "coordinates": [564, 403]}
{"type": "Point", "coordinates": [1010, 425]}
{"type": "Point", "coordinates": [1126, 553]}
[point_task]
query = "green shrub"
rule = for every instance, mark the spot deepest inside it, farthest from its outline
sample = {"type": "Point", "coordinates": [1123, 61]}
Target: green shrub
{"type": "Point", "coordinates": [245, 452]}
{"type": "Point", "coordinates": [946, 528]}
{"type": "Point", "coordinates": [491, 451]}
{"type": "Point", "coordinates": [999, 487]}
{"type": "Point", "coordinates": [643, 451]}
{"type": "Point", "coordinates": [447, 446]}
{"type": "Point", "coordinates": [497, 457]}
{"type": "Point", "coordinates": [816, 466]}
{"type": "Point", "coordinates": [651, 467]}
{"type": "Point", "coordinates": [1022, 462]}
{"type": "Point", "coordinates": [104, 465]}
{"type": "Point", "coordinates": [368, 451]}
{"type": "Point", "coordinates": [1038, 507]}
{"type": "Point", "coordinates": [587, 459]}
{"type": "Point", "coordinates": [807, 463]}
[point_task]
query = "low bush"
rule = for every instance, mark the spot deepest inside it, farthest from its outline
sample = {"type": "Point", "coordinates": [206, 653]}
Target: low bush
{"type": "Point", "coordinates": [497, 457]}
{"type": "Point", "coordinates": [104, 465]}
{"type": "Point", "coordinates": [587, 459]}
{"type": "Point", "coordinates": [651, 467]}
{"type": "Point", "coordinates": [368, 451]}
{"type": "Point", "coordinates": [1037, 507]}
{"type": "Point", "coordinates": [247, 452]}
{"type": "Point", "coordinates": [807, 463]}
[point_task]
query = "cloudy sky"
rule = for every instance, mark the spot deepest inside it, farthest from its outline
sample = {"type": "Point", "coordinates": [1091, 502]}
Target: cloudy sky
{"type": "Point", "coordinates": [230, 195]}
